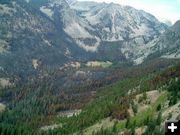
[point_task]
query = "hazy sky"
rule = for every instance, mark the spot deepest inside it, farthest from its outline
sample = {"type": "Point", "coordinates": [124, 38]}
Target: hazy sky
{"type": "Point", "coordinates": [162, 9]}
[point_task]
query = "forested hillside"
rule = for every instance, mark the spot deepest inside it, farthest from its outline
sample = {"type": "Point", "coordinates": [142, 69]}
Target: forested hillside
{"type": "Point", "coordinates": [34, 112]}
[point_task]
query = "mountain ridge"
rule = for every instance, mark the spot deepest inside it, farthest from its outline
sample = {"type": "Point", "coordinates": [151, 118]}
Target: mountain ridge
{"type": "Point", "coordinates": [58, 33]}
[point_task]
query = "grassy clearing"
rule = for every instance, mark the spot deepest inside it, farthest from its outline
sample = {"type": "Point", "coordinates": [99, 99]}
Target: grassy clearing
{"type": "Point", "coordinates": [99, 64]}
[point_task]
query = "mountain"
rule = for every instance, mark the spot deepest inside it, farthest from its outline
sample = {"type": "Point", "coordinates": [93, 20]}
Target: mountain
{"type": "Point", "coordinates": [166, 45]}
{"type": "Point", "coordinates": [53, 33]}
{"type": "Point", "coordinates": [170, 42]}
{"type": "Point", "coordinates": [94, 26]}
{"type": "Point", "coordinates": [130, 29]}
{"type": "Point", "coordinates": [114, 22]}
{"type": "Point", "coordinates": [94, 23]}
{"type": "Point", "coordinates": [27, 35]}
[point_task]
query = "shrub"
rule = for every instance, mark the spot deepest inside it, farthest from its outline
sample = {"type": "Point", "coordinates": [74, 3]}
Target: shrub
{"type": "Point", "coordinates": [158, 107]}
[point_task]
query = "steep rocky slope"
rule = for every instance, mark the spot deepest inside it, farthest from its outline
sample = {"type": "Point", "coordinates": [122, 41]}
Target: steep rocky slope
{"type": "Point", "coordinates": [28, 35]}
{"type": "Point", "coordinates": [53, 33]}
{"type": "Point", "coordinates": [166, 45]}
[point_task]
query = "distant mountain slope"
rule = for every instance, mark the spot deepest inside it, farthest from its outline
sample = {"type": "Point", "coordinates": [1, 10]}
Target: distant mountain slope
{"type": "Point", "coordinates": [166, 45]}
{"type": "Point", "coordinates": [170, 42]}
{"type": "Point", "coordinates": [131, 30]}
{"type": "Point", "coordinates": [54, 32]}
{"type": "Point", "coordinates": [90, 24]}
{"type": "Point", "coordinates": [114, 22]}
